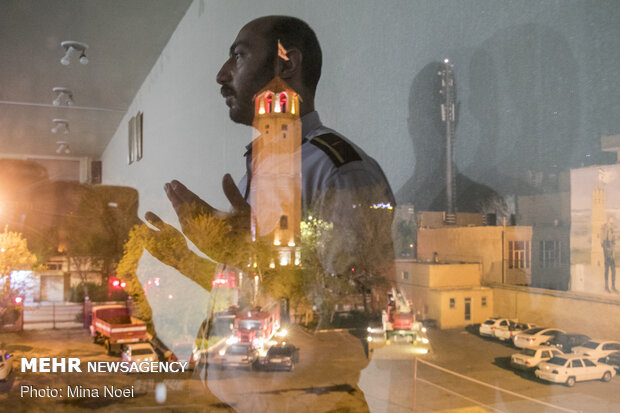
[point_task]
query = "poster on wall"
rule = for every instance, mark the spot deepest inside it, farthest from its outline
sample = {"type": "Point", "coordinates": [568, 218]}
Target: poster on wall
{"type": "Point", "coordinates": [595, 216]}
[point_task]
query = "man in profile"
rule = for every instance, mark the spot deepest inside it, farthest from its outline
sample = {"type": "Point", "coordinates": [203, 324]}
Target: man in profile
{"type": "Point", "coordinates": [341, 184]}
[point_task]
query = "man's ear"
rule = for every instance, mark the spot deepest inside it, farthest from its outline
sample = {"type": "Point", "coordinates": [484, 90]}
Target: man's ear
{"type": "Point", "coordinates": [290, 68]}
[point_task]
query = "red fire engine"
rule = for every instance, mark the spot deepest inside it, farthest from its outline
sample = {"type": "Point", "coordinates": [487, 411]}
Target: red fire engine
{"type": "Point", "coordinates": [257, 326]}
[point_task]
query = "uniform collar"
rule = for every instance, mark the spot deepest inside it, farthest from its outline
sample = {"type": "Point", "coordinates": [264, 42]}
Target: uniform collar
{"type": "Point", "coordinates": [309, 122]}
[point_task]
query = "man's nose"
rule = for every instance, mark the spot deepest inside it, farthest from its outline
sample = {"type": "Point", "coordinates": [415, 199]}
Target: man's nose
{"type": "Point", "coordinates": [223, 76]}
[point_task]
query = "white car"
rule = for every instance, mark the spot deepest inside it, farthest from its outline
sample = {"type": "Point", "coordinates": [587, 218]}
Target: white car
{"type": "Point", "coordinates": [529, 358]}
{"type": "Point", "coordinates": [139, 352]}
{"type": "Point", "coordinates": [571, 368]}
{"type": "Point", "coordinates": [505, 333]}
{"type": "Point", "coordinates": [239, 355]}
{"type": "Point", "coordinates": [597, 349]}
{"type": "Point", "coordinates": [6, 364]}
{"type": "Point", "coordinates": [535, 336]}
{"type": "Point", "coordinates": [488, 327]}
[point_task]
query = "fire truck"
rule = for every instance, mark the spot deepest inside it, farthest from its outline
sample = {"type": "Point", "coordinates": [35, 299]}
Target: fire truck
{"type": "Point", "coordinates": [399, 322]}
{"type": "Point", "coordinates": [257, 326]}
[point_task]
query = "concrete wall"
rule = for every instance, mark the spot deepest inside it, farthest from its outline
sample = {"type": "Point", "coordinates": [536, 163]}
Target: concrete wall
{"type": "Point", "coordinates": [573, 312]}
{"type": "Point", "coordinates": [438, 275]}
{"type": "Point", "coordinates": [476, 244]}
{"type": "Point", "coordinates": [455, 317]}
{"type": "Point", "coordinates": [430, 303]}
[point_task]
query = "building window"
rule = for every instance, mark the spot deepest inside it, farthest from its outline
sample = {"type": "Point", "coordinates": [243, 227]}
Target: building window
{"type": "Point", "coordinates": [405, 275]}
{"type": "Point", "coordinates": [484, 301]}
{"type": "Point", "coordinates": [452, 302]}
{"type": "Point", "coordinates": [285, 257]}
{"type": "Point", "coordinates": [284, 222]}
{"type": "Point", "coordinates": [284, 127]}
{"type": "Point", "coordinates": [518, 254]}
{"type": "Point", "coordinates": [550, 255]}
{"type": "Point", "coordinates": [268, 102]}
{"type": "Point", "coordinates": [283, 101]}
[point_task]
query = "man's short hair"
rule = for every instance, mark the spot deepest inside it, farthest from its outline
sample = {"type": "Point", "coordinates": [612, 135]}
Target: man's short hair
{"type": "Point", "coordinates": [294, 32]}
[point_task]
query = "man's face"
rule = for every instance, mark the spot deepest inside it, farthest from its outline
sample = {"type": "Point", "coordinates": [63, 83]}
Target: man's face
{"type": "Point", "coordinates": [247, 70]}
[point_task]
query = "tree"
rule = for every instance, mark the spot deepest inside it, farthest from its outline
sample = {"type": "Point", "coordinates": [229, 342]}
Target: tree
{"type": "Point", "coordinates": [94, 234]}
{"type": "Point", "coordinates": [14, 255]}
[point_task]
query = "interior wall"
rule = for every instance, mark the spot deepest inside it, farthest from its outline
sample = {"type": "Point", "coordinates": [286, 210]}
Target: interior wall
{"type": "Point", "coordinates": [532, 81]}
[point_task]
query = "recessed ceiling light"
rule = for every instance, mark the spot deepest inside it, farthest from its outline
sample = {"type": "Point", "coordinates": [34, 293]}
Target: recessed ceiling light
{"type": "Point", "coordinates": [72, 47]}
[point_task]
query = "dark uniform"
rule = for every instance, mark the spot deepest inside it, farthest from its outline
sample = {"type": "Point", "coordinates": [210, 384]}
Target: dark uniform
{"type": "Point", "coordinates": [342, 185]}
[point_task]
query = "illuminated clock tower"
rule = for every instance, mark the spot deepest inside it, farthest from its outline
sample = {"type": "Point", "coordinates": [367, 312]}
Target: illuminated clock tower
{"type": "Point", "coordinates": [275, 183]}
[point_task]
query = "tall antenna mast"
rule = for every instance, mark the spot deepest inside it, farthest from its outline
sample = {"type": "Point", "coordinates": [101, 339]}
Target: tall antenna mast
{"type": "Point", "coordinates": [448, 116]}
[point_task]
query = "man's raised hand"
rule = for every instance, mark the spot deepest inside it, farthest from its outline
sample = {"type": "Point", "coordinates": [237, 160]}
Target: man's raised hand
{"type": "Point", "coordinates": [220, 235]}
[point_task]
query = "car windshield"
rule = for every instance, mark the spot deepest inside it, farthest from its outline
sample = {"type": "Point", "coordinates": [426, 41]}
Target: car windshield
{"type": "Point", "coordinates": [528, 352]}
{"type": "Point", "coordinates": [533, 330]}
{"type": "Point", "coordinates": [490, 322]}
{"type": "Point", "coordinates": [222, 327]}
{"type": "Point", "coordinates": [591, 345]}
{"type": "Point", "coordinates": [280, 351]}
{"type": "Point", "coordinates": [237, 350]}
{"type": "Point", "coordinates": [559, 361]}
{"type": "Point", "coordinates": [141, 351]}
{"type": "Point", "coordinates": [250, 324]}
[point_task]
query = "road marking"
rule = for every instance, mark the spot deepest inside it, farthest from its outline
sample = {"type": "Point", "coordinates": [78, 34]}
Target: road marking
{"type": "Point", "coordinates": [462, 410]}
{"type": "Point", "coordinates": [496, 387]}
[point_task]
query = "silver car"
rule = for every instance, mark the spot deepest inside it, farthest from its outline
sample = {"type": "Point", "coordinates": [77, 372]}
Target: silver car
{"type": "Point", "coordinates": [239, 355]}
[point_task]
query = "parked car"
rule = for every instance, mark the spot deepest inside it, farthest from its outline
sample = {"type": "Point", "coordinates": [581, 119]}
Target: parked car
{"type": "Point", "coordinates": [529, 358]}
{"type": "Point", "coordinates": [489, 326]}
{"type": "Point", "coordinates": [238, 355]}
{"type": "Point", "coordinates": [535, 336]}
{"type": "Point", "coordinates": [572, 368]}
{"type": "Point", "coordinates": [6, 364]}
{"type": "Point", "coordinates": [138, 352]}
{"type": "Point", "coordinates": [597, 349]}
{"type": "Point", "coordinates": [184, 352]}
{"type": "Point", "coordinates": [282, 355]}
{"type": "Point", "coordinates": [506, 333]}
{"type": "Point", "coordinates": [613, 359]}
{"type": "Point", "coordinates": [566, 342]}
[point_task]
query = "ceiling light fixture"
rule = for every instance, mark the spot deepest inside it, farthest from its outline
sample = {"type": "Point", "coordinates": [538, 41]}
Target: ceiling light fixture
{"type": "Point", "coordinates": [60, 125]}
{"type": "Point", "coordinates": [64, 97]}
{"type": "Point", "coordinates": [63, 147]}
{"type": "Point", "coordinates": [71, 47]}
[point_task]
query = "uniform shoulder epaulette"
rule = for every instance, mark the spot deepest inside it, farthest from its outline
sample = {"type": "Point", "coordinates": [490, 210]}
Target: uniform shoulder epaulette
{"type": "Point", "coordinates": [339, 151]}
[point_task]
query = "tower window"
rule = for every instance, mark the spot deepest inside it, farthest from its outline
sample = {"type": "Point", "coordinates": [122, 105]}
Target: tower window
{"type": "Point", "coordinates": [283, 102]}
{"type": "Point", "coordinates": [268, 102]}
{"type": "Point", "coordinates": [284, 222]}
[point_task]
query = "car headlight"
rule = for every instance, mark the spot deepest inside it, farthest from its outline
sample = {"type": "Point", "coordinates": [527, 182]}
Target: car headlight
{"type": "Point", "coordinates": [222, 352]}
{"type": "Point", "coordinates": [231, 340]}
{"type": "Point", "coordinates": [424, 329]}
{"type": "Point", "coordinates": [369, 339]}
{"type": "Point", "coordinates": [424, 340]}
